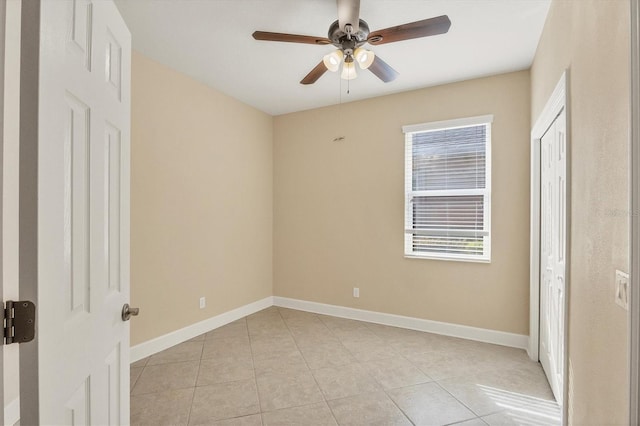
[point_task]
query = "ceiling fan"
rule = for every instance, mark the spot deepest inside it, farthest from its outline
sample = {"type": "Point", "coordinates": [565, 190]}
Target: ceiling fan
{"type": "Point", "coordinates": [349, 33]}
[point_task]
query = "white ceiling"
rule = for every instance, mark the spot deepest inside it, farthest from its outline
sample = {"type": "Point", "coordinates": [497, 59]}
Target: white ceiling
{"type": "Point", "coordinates": [210, 40]}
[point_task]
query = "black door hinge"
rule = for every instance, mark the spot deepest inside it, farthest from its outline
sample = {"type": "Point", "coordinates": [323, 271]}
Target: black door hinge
{"type": "Point", "coordinates": [19, 322]}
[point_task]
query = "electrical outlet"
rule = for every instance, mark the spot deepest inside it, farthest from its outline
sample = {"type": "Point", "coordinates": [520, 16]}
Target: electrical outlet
{"type": "Point", "coordinates": [203, 302]}
{"type": "Point", "coordinates": [622, 289]}
{"type": "Point", "coordinates": [356, 292]}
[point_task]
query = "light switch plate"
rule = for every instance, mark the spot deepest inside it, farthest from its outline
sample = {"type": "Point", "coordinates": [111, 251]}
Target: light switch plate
{"type": "Point", "coordinates": [622, 289]}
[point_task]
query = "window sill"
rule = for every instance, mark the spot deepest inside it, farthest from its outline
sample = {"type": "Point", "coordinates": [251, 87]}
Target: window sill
{"type": "Point", "coordinates": [453, 259]}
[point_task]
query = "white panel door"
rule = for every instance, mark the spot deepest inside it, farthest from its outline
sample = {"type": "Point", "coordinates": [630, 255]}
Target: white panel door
{"type": "Point", "coordinates": [553, 252]}
{"type": "Point", "coordinates": [83, 213]}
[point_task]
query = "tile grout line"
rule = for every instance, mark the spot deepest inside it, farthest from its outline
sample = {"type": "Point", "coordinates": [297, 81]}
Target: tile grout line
{"type": "Point", "coordinates": [385, 390]}
{"type": "Point", "coordinates": [253, 364]}
{"type": "Point", "coordinates": [397, 406]}
{"type": "Point", "coordinates": [465, 405]}
{"type": "Point", "coordinates": [172, 362]}
{"type": "Point", "coordinates": [324, 397]}
{"type": "Point", "coordinates": [368, 375]}
{"type": "Point", "coordinates": [158, 365]}
{"type": "Point", "coordinates": [338, 337]}
{"type": "Point", "coordinates": [432, 380]}
{"type": "Point", "coordinates": [166, 390]}
{"type": "Point", "coordinates": [358, 362]}
{"type": "Point", "coordinates": [138, 378]}
{"type": "Point", "coordinates": [195, 385]}
{"type": "Point", "coordinates": [464, 421]}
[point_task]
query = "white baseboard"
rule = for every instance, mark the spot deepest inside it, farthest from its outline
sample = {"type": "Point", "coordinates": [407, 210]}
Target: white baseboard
{"type": "Point", "coordinates": [161, 343]}
{"type": "Point", "coordinates": [519, 341]}
{"type": "Point", "coordinates": [166, 341]}
{"type": "Point", "coordinates": [12, 412]}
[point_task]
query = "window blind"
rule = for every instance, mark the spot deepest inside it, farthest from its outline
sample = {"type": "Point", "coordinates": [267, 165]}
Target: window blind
{"type": "Point", "coordinates": [447, 192]}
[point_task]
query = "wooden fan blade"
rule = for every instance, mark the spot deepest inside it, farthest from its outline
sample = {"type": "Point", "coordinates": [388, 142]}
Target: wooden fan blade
{"type": "Point", "coordinates": [290, 38]}
{"type": "Point", "coordinates": [315, 74]}
{"type": "Point", "coordinates": [383, 70]}
{"type": "Point", "coordinates": [349, 13]}
{"type": "Point", "coordinates": [424, 28]}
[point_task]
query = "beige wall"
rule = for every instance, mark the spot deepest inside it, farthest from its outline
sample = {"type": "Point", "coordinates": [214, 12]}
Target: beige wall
{"type": "Point", "coordinates": [339, 218]}
{"type": "Point", "coordinates": [201, 201]}
{"type": "Point", "coordinates": [591, 37]}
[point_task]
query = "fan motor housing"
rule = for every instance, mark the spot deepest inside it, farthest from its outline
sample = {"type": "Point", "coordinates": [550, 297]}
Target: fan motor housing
{"type": "Point", "coordinates": [340, 39]}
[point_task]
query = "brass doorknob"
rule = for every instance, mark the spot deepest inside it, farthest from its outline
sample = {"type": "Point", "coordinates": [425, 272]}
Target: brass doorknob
{"type": "Point", "coordinates": [128, 312]}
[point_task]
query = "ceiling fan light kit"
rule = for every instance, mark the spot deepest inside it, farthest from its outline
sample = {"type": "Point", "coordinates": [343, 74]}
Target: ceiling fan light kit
{"type": "Point", "coordinates": [348, 71]}
{"type": "Point", "coordinates": [349, 33]}
{"type": "Point", "coordinates": [333, 60]}
{"type": "Point", "coordinates": [364, 57]}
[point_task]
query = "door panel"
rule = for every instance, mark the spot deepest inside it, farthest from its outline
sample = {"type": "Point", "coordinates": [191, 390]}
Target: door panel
{"type": "Point", "coordinates": [113, 169]}
{"type": "Point", "coordinates": [83, 215]}
{"type": "Point", "coordinates": [76, 199]}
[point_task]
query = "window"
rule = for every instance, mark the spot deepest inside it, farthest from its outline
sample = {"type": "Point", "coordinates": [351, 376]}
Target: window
{"type": "Point", "coordinates": [448, 189]}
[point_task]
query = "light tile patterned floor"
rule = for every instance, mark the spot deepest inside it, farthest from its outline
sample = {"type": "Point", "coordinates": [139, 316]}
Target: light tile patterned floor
{"type": "Point", "coordinates": [286, 367]}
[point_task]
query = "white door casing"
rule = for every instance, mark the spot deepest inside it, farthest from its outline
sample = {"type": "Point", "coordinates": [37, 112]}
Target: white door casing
{"type": "Point", "coordinates": [553, 252]}
{"type": "Point", "coordinates": [83, 213]}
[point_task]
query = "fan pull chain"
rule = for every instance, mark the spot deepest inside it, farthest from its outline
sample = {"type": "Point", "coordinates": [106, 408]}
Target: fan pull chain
{"type": "Point", "coordinates": [339, 111]}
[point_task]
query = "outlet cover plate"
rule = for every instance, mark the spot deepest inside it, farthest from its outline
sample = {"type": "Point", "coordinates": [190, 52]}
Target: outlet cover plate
{"type": "Point", "coordinates": [203, 302]}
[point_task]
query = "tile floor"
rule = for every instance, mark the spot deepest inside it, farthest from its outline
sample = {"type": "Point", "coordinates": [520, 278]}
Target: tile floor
{"type": "Point", "coordinates": [287, 367]}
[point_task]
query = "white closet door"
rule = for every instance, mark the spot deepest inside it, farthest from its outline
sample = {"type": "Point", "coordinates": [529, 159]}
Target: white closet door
{"type": "Point", "coordinates": [553, 198]}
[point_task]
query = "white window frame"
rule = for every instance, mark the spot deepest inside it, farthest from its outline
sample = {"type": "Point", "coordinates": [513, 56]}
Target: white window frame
{"type": "Point", "coordinates": [409, 193]}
